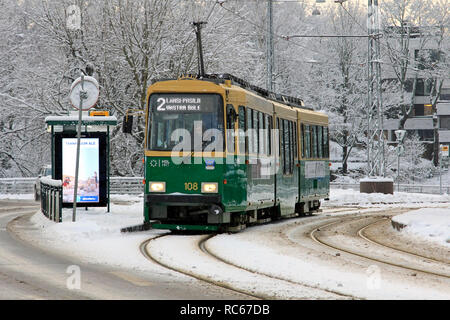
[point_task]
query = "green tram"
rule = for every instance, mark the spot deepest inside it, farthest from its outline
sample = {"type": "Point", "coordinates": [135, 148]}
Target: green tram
{"type": "Point", "coordinates": [269, 160]}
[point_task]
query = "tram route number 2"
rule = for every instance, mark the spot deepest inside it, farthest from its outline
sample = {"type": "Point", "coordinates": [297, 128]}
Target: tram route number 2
{"type": "Point", "coordinates": [189, 186]}
{"type": "Point", "coordinates": [178, 104]}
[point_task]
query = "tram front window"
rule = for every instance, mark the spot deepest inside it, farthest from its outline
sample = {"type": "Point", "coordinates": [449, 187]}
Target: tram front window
{"type": "Point", "coordinates": [177, 118]}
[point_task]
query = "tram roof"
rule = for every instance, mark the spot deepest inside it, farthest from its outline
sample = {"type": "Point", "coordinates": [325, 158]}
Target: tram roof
{"type": "Point", "coordinates": [221, 78]}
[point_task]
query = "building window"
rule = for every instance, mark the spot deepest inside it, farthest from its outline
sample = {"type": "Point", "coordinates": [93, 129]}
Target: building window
{"type": "Point", "coordinates": [418, 109]}
{"type": "Point", "coordinates": [424, 87]}
{"type": "Point", "coordinates": [444, 122]}
{"type": "Point", "coordinates": [426, 135]}
{"type": "Point", "coordinates": [445, 94]}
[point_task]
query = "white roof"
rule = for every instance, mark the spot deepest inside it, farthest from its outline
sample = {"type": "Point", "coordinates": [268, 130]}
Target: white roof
{"type": "Point", "coordinates": [414, 123]}
{"type": "Point", "coordinates": [84, 118]}
{"type": "Point", "coordinates": [444, 136]}
{"type": "Point", "coordinates": [443, 108]}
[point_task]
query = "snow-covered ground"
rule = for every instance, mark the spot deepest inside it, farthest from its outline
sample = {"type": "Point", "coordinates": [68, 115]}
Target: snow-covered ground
{"type": "Point", "coordinates": [96, 238]}
{"type": "Point", "coordinates": [432, 224]}
{"type": "Point", "coordinates": [16, 196]}
{"type": "Point", "coordinates": [357, 162]}
{"type": "Point", "coordinates": [445, 178]}
{"type": "Point", "coordinates": [354, 197]}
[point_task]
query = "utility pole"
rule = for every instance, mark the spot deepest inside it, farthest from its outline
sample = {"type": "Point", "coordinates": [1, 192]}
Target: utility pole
{"type": "Point", "coordinates": [269, 46]}
{"type": "Point", "coordinates": [375, 138]}
{"type": "Point", "coordinates": [198, 32]}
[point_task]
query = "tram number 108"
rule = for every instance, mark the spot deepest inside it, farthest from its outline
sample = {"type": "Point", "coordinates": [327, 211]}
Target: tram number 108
{"type": "Point", "coordinates": [189, 186]}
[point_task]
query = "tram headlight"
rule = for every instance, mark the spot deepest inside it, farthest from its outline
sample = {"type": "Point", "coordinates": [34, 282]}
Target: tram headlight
{"type": "Point", "coordinates": [210, 187]}
{"type": "Point", "coordinates": [157, 186]}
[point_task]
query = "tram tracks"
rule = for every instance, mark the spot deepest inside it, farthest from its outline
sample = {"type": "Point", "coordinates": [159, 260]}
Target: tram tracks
{"type": "Point", "coordinates": [237, 287]}
{"type": "Point", "coordinates": [201, 245]}
{"type": "Point", "coordinates": [360, 233]}
{"type": "Point", "coordinates": [313, 228]}
{"type": "Point", "coordinates": [363, 235]}
{"type": "Point", "coordinates": [149, 256]}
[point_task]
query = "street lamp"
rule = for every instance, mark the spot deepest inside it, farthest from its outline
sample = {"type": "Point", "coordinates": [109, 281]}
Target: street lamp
{"type": "Point", "coordinates": [400, 134]}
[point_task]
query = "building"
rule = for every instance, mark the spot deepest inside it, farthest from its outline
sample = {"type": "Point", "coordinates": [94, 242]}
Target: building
{"type": "Point", "coordinates": [443, 113]}
{"type": "Point", "coordinates": [424, 52]}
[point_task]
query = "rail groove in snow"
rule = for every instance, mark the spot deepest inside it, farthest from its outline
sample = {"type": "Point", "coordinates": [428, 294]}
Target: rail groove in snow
{"type": "Point", "coordinates": [365, 237]}
{"type": "Point", "coordinates": [144, 251]}
{"type": "Point", "coordinates": [360, 231]}
{"type": "Point", "coordinates": [204, 249]}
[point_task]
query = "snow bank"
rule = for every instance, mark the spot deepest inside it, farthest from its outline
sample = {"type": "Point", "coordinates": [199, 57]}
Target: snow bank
{"type": "Point", "coordinates": [339, 197]}
{"type": "Point", "coordinates": [96, 236]}
{"type": "Point", "coordinates": [429, 224]}
{"type": "Point", "coordinates": [376, 179]}
{"type": "Point", "coordinates": [51, 182]}
{"type": "Point", "coordinates": [17, 196]}
{"type": "Point", "coordinates": [299, 266]}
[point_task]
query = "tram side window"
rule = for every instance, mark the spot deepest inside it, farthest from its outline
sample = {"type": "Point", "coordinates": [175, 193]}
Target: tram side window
{"type": "Point", "coordinates": [280, 137]}
{"type": "Point", "coordinates": [243, 142]}
{"type": "Point", "coordinates": [326, 149]}
{"type": "Point", "coordinates": [283, 145]}
{"type": "Point", "coordinates": [249, 130]}
{"type": "Point", "coordinates": [255, 132]}
{"type": "Point", "coordinates": [261, 127]}
{"type": "Point", "coordinates": [313, 142]}
{"type": "Point", "coordinates": [291, 145]}
{"type": "Point", "coordinates": [294, 135]}
{"type": "Point", "coordinates": [268, 134]}
{"type": "Point", "coordinates": [307, 142]}
{"type": "Point", "coordinates": [316, 145]}
{"type": "Point", "coordinates": [287, 145]}
{"type": "Point", "coordinates": [231, 140]}
{"type": "Point", "coordinates": [319, 142]}
{"type": "Point", "coordinates": [302, 137]}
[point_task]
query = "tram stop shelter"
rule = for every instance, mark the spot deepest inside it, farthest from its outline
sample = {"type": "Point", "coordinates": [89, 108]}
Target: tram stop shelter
{"type": "Point", "coordinates": [94, 171]}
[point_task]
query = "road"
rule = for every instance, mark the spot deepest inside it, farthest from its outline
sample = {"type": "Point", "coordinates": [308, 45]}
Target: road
{"type": "Point", "coordinates": [28, 272]}
{"type": "Point", "coordinates": [342, 253]}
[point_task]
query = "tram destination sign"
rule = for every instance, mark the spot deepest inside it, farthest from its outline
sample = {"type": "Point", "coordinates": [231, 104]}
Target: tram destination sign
{"type": "Point", "coordinates": [184, 103]}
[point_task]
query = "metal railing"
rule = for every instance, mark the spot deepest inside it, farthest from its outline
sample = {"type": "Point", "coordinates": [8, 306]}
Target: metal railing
{"type": "Point", "coordinates": [127, 185]}
{"type": "Point", "coordinates": [134, 186]}
{"type": "Point", "coordinates": [118, 185]}
{"type": "Point", "coordinates": [51, 199]}
{"type": "Point", "coordinates": [412, 188]}
{"type": "Point", "coordinates": [17, 185]}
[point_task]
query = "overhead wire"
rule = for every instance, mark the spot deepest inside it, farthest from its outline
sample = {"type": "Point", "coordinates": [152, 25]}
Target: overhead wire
{"type": "Point", "coordinates": [410, 60]}
{"type": "Point", "coordinates": [275, 34]}
{"type": "Point", "coordinates": [287, 38]}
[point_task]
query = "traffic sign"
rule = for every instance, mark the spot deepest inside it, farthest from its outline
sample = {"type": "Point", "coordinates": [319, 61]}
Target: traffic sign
{"type": "Point", "coordinates": [89, 89]}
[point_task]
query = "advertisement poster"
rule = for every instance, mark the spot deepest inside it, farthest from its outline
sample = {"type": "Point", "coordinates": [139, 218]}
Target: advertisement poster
{"type": "Point", "coordinates": [88, 172]}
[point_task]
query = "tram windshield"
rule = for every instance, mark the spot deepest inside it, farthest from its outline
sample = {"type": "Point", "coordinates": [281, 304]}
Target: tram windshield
{"type": "Point", "coordinates": [198, 118]}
